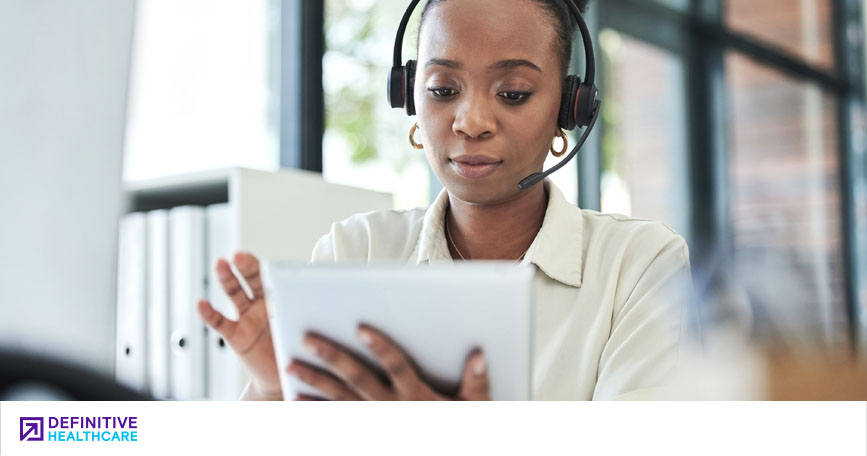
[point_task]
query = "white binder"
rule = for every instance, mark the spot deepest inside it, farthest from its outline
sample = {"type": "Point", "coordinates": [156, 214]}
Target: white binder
{"type": "Point", "coordinates": [186, 286]}
{"type": "Point", "coordinates": [226, 375]}
{"type": "Point", "coordinates": [158, 303]}
{"type": "Point", "coordinates": [131, 343]}
{"type": "Point", "coordinates": [273, 215]}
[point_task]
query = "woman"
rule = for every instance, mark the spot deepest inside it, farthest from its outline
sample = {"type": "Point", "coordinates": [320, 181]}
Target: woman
{"type": "Point", "coordinates": [609, 289]}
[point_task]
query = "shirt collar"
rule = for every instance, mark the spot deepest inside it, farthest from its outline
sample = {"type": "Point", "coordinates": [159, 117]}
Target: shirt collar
{"type": "Point", "coordinates": [556, 250]}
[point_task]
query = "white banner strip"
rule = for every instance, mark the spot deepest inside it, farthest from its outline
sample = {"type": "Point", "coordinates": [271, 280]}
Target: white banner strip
{"type": "Point", "coordinates": [241, 428]}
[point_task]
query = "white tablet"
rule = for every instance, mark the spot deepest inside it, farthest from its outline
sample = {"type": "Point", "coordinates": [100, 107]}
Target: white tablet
{"type": "Point", "coordinates": [437, 314]}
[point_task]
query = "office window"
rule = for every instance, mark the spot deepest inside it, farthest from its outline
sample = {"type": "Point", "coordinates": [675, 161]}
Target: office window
{"type": "Point", "coordinates": [204, 90]}
{"type": "Point", "coordinates": [785, 203]}
{"type": "Point", "coordinates": [644, 156]}
{"type": "Point", "coordinates": [680, 5]}
{"type": "Point", "coordinates": [770, 209]}
{"type": "Point", "coordinates": [799, 27]}
{"type": "Point", "coordinates": [366, 141]}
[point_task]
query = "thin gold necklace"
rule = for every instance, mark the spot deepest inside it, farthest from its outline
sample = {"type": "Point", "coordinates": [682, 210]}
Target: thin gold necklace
{"type": "Point", "coordinates": [449, 237]}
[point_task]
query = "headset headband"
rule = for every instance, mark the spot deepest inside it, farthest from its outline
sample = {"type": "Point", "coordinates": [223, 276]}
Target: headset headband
{"type": "Point", "coordinates": [589, 73]}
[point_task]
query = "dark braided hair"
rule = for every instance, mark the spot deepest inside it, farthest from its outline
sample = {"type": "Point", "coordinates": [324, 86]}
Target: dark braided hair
{"type": "Point", "coordinates": [558, 12]}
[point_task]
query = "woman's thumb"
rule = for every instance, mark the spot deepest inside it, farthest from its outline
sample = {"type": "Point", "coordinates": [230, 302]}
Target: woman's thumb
{"type": "Point", "coordinates": [474, 384]}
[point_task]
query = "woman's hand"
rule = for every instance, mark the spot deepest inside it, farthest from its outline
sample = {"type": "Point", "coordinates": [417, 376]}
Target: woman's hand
{"type": "Point", "coordinates": [349, 379]}
{"type": "Point", "coordinates": [250, 335]}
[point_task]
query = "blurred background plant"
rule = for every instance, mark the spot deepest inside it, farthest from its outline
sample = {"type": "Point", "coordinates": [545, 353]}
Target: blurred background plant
{"type": "Point", "coordinates": [365, 140]}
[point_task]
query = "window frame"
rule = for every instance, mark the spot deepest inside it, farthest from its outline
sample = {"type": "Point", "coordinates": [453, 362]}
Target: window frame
{"type": "Point", "coordinates": [700, 36]}
{"type": "Point", "coordinates": [302, 95]}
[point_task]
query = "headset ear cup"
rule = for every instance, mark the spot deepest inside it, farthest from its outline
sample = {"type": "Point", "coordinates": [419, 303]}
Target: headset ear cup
{"type": "Point", "coordinates": [395, 87]}
{"type": "Point", "coordinates": [409, 87]}
{"type": "Point", "coordinates": [565, 119]}
{"type": "Point", "coordinates": [585, 104]}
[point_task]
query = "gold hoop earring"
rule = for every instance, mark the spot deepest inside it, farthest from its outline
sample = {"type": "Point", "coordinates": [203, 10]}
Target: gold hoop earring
{"type": "Point", "coordinates": [562, 135]}
{"type": "Point", "coordinates": [412, 131]}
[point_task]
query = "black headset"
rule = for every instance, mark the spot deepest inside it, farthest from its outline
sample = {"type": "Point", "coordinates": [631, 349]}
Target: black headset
{"type": "Point", "coordinates": [579, 106]}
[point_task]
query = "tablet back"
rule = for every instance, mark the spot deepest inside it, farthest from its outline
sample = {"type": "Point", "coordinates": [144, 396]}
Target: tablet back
{"type": "Point", "coordinates": [437, 314]}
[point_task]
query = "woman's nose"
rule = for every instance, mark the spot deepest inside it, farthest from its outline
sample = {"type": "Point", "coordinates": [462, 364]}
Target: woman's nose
{"type": "Point", "coordinates": [475, 118]}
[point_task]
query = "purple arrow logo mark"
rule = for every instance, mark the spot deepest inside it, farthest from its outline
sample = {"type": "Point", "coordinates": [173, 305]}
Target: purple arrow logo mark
{"type": "Point", "coordinates": [31, 428]}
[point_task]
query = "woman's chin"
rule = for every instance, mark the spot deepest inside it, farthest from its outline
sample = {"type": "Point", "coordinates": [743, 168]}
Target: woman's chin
{"type": "Point", "coordinates": [486, 191]}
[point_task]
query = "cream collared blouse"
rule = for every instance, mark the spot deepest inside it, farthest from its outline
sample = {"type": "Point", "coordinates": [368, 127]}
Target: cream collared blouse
{"type": "Point", "coordinates": [611, 291]}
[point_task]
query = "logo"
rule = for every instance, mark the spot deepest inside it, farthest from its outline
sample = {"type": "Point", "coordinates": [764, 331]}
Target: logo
{"type": "Point", "coordinates": [31, 428]}
{"type": "Point", "coordinates": [79, 429]}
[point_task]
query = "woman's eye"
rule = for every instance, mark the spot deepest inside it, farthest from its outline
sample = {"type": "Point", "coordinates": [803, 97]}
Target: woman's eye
{"type": "Point", "coordinates": [442, 92]}
{"type": "Point", "coordinates": [515, 97]}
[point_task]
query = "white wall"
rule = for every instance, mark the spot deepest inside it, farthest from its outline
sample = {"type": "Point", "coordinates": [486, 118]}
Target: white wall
{"type": "Point", "coordinates": [63, 79]}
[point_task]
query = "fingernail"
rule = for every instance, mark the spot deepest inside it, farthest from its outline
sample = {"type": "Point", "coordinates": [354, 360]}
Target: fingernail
{"type": "Point", "coordinates": [365, 337]}
{"type": "Point", "coordinates": [241, 257]}
{"type": "Point", "coordinates": [311, 346]}
{"type": "Point", "coordinates": [479, 365]}
{"type": "Point", "coordinates": [223, 272]}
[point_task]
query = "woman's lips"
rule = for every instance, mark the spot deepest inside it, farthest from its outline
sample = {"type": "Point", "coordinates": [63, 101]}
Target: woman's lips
{"type": "Point", "coordinates": [475, 171]}
{"type": "Point", "coordinates": [475, 166]}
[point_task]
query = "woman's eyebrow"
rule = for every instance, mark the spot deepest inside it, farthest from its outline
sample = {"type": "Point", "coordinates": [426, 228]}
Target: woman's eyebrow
{"type": "Point", "coordinates": [443, 62]}
{"type": "Point", "coordinates": [501, 65]}
{"type": "Point", "coordinates": [515, 63]}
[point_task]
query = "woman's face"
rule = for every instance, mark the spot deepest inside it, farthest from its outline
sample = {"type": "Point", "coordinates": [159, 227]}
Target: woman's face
{"type": "Point", "coordinates": [487, 91]}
